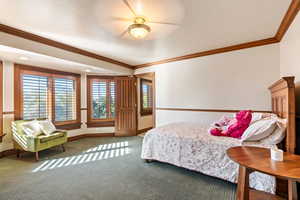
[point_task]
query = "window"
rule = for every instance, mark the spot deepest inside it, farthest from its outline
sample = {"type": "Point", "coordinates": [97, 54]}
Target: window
{"type": "Point", "coordinates": [146, 98]}
{"type": "Point", "coordinates": [99, 95]}
{"type": "Point", "coordinates": [65, 99]}
{"type": "Point", "coordinates": [101, 101]}
{"type": "Point", "coordinates": [42, 93]}
{"type": "Point", "coordinates": [35, 96]}
{"type": "Point", "coordinates": [112, 96]}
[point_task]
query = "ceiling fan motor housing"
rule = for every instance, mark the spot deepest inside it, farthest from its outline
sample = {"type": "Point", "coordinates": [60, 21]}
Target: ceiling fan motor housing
{"type": "Point", "coordinates": [139, 20]}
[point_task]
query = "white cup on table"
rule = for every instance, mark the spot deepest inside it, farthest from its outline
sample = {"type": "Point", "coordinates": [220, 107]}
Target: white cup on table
{"type": "Point", "coordinates": [276, 154]}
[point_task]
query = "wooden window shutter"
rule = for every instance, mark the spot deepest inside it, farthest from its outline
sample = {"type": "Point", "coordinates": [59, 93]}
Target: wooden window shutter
{"type": "Point", "coordinates": [65, 99]}
{"type": "Point", "coordinates": [99, 99]}
{"type": "Point", "coordinates": [44, 93]}
{"type": "Point", "coordinates": [146, 96]}
{"type": "Point", "coordinates": [103, 99]}
{"type": "Point", "coordinates": [112, 89]}
{"type": "Point", "coordinates": [35, 96]}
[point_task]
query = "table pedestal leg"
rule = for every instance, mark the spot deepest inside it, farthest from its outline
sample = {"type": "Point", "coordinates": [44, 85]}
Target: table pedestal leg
{"type": "Point", "coordinates": [243, 184]}
{"type": "Point", "coordinates": [292, 186]}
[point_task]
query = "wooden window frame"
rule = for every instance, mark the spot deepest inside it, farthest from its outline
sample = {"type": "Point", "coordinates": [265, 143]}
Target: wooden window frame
{"type": "Point", "coordinates": [77, 85]}
{"type": "Point", "coordinates": [91, 122]}
{"type": "Point", "coordinates": [51, 74]}
{"type": "Point", "coordinates": [145, 111]}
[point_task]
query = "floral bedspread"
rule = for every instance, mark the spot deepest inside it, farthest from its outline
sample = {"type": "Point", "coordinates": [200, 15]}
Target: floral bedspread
{"type": "Point", "coordinates": [189, 145]}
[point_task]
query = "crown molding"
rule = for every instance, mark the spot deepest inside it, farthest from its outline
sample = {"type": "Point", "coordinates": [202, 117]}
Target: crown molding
{"type": "Point", "coordinates": [36, 38]}
{"type": "Point", "coordinates": [212, 52]}
{"type": "Point", "coordinates": [288, 19]}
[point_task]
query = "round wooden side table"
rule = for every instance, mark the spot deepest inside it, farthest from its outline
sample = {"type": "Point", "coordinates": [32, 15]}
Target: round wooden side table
{"type": "Point", "coordinates": [258, 159]}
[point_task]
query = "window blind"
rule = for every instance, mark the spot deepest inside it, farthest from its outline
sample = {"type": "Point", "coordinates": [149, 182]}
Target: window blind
{"type": "Point", "coordinates": [99, 94]}
{"type": "Point", "coordinates": [112, 99]}
{"type": "Point", "coordinates": [103, 99]}
{"type": "Point", "coordinates": [65, 99]}
{"type": "Point", "coordinates": [147, 95]}
{"type": "Point", "coordinates": [35, 97]}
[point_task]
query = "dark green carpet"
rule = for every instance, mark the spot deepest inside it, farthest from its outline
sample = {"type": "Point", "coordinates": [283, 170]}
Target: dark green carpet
{"type": "Point", "coordinates": [93, 175]}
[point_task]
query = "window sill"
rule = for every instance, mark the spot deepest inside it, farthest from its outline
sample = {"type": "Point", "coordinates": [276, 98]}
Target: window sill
{"type": "Point", "coordinates": [100, 124]}
{"type": "Point", "coordinates": [71, 126]}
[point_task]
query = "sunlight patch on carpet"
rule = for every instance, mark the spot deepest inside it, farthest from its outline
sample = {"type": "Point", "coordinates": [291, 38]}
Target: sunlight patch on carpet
{"type": "Point", "coordinates": [100, 152]}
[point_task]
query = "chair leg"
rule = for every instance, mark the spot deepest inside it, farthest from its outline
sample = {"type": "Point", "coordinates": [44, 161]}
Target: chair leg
{"type": "Point", "coordinates": [63, 148]}
{"type": "Point", "coordinates": [37, 156]}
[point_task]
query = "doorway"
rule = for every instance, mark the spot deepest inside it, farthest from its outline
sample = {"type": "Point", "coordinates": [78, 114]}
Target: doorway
{"type": "Point", "coordinates": [146, 112]}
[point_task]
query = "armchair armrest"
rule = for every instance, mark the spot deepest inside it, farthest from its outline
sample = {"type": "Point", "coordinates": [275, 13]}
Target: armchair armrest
{"type": "Point", "coordinates": [61, 130]}
{"type": "Point", "coordinates": [1, 136]}
{"type": "Point", "coordinates": [28, 143]}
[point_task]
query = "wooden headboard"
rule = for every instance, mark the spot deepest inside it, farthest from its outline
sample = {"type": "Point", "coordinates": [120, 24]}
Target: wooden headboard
{"type": "Point", "coordinates": [283, 104]}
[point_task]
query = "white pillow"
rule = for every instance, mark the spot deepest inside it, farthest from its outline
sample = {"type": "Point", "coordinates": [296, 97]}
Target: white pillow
{"type": "Point", "coordinates": [256, 117]}
{"type": "Point", "coordinates": [259, 130]}
{"type": "Point", "coordinates": [275, 138]}
{"type": "Point", "coordinates": [278, 135]}
{"type": "Point", "coordinates": [32, 128]}
{"type": "Point", "coordinates": [47, 127]}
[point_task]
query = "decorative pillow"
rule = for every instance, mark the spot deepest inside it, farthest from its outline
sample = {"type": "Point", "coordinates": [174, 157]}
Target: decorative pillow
{"type": "Point", "coordinates": [32, 128]}
{"type": "Point", "coordinates": [259, 130]}
{"type": "Point", "coordinates": [256, 117]}
{"type": "Point", "coordinates": [47, 127]}
{"type": "Point", "coordinates": [278, 135]}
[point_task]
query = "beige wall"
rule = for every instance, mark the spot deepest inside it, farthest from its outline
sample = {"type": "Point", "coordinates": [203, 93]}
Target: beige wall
{"type": "Point", "coordinates": [8, 106]}
{"type": "Point", "coordinates": [290, 56]}
{"type": "Point", "coordinates": [233, 80]}
{"type": "Point", "coordinates": [144, 122]}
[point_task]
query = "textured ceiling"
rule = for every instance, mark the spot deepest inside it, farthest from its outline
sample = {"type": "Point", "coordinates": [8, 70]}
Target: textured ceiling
{"type": "Point", "coordinates": [92, 25]}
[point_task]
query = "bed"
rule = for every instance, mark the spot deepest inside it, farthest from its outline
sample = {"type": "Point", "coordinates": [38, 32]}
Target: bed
{"type": "Point", "coordinates": [189, 145]}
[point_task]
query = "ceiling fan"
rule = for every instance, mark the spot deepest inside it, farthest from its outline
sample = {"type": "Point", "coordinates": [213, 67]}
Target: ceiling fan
{"type": "Point", "coordinates": [139, 28]}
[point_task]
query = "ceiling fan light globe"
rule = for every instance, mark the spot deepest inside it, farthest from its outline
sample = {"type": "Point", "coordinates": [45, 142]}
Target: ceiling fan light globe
{"type": "Point", "coordinates": [139, 31]}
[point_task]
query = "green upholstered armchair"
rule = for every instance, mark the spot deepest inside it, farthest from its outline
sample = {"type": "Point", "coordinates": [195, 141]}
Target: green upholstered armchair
{"type": "Point", "coordinates": [35, 144]}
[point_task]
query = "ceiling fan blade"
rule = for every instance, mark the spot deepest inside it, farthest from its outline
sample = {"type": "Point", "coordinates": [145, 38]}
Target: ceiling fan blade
{"type": "Point", "coordinates": [123, 33]}
{"type": "Point", "coordinates": [165, 23]}
{"type": "Point", "coordinates": [130, 8]}
{"type": "Point", "coordinates": [121, 19]}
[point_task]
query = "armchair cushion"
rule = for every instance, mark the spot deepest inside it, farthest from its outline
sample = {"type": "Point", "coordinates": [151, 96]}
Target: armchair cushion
{"type": "Point", "coordinates": [47, 127]}
{"type": "Point", "coordinates": [46, 138]}
{"type": "Point", "coordinates": [32, 128]}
